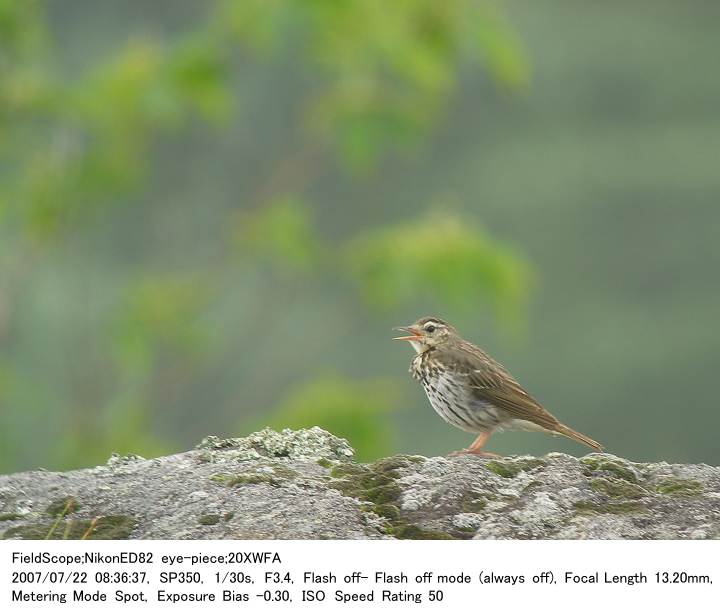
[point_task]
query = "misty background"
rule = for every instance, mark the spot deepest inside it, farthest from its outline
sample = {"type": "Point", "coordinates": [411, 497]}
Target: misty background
{"type": "Point", "coordinates": [213, 213]}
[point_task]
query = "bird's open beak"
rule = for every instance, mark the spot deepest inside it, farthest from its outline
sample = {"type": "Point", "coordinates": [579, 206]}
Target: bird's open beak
{"type": "Point", "coordinates": [415, 334]}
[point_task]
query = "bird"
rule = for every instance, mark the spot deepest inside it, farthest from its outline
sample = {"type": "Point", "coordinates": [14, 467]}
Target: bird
{"type": "Point", "coordinates": [472, 391]}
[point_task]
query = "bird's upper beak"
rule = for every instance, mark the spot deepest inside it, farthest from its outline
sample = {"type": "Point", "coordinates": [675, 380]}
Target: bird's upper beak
{"type": "Point", "coordinates": [415, 333]}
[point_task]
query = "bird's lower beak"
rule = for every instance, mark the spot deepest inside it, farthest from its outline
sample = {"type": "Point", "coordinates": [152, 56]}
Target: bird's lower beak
{"type": "Point", "coordinates": [414, 333]}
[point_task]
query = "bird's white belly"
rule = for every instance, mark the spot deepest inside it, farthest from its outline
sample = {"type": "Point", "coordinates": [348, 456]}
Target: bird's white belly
{"type": "Point", "coordinates": [459, 410]}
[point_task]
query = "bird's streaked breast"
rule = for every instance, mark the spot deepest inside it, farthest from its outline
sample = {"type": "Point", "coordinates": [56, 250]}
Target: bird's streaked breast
{"type": "Point", "coordinates": [451, 397]}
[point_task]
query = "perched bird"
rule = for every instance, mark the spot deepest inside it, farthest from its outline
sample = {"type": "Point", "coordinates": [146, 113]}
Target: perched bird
{"type": "Point", "coordinates": [473, 392]}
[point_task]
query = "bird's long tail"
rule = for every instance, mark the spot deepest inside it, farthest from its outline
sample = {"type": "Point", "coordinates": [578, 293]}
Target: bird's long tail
{"type": "Point", "coordinates": [576, 436]}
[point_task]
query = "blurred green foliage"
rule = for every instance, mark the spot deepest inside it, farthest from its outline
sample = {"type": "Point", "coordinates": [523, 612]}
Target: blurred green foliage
{"type": "Point", "coordinates": [207, 207]}
{"type": "Point", "coordinates": [383, 69]}
{"type": "Point", "coordinates": [351, 408]}
{"type": "Point", "coordinates": [103, 354]}
{"type": "Point", "coordinates": [158, 316]}
{"type": "Point", "coordinates": [399, 263]}
{"type": "Point", "coordinates": [280, 233]}
{"type": "Point", "coordinates": [72, 144]}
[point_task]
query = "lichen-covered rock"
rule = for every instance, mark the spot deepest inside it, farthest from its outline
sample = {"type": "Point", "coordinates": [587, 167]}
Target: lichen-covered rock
{"type": "Point", "coordinates": [305, 485]}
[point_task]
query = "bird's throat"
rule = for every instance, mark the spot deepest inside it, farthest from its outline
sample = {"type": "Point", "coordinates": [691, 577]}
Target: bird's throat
{"type": "Point", "coordinates": [419, 347]}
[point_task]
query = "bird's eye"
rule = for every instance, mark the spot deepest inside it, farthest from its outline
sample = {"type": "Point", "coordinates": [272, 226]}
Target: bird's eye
{"type": "Point", "coordinates": [430, 329]}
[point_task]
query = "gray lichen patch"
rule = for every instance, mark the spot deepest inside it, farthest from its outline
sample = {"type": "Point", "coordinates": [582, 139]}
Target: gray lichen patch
{"type": "Point", "coordinates": [216, 442]}
{"type": "Point", "coordinates": [467, 522]}
{"type": "Point", "coordinates": [205, 456]}
{"type": "Point", "coordinates": [117, 459]}
{"type": "Point", "coordinates": [313, 443]}
{"type": "Point", "coordinates": [104, 527]}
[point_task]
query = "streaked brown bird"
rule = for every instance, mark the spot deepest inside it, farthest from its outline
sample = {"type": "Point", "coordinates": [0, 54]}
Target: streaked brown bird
{"type": "Point", "coordinates": [473, 392]}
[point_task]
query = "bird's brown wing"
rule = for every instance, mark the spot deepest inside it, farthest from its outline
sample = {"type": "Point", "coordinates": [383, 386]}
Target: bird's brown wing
{"type": "Point", "coordinates": [493, 383]}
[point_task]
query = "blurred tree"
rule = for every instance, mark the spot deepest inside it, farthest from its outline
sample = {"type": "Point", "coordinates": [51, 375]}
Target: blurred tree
{"type": "Point", "coordinates": [374, 77]}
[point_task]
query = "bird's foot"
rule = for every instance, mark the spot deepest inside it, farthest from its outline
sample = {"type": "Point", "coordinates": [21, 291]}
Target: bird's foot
{"type": "Point", "coordinates": [473, 452]}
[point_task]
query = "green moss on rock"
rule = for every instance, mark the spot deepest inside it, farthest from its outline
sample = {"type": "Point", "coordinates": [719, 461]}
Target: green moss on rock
{"type": "Point", "coordinates": [412, 531]}
{"type": "Point", "coordinates": [231, 480]}
{"type": "Point", "coordinates": [618, 488]}
{"type": "Point", "coordinates": [272, 474]}
{"type": "Point", "coordinates": [63, 506]}
{"type": "Point", "coordinates": [283, 472]}
{"type": "Point", "coordinates": [679, 487]}
{"type": "Point", "coordinates": [531, 486]}
{"type": "Point", "coordinates": [510, 469]}
{"type": "Point", "coordinates": [391, 512]}
{"type": "Point", "coordinates": [378, 489]}
{"type": "Point", "coordinates": [613, 467]}
{"type": "Point", "coordinates": [383, 494]}
{"type": "Point", "coordinates": [472, 502]}
{"type": "Point", "coordinates": [105, 527]}
{"type": "Point", "coordinates": [392, 464]}
{"type": "Point", "coordinates": [5, 517]}
{"type": "Point", "coordinates": [588, 508]}
{"type": "Point", "coordinates": [375, 484]}
{"type": "Point", "coordinates": [209, 519]}
{"type": "Point", "coordinates": [344, 470]}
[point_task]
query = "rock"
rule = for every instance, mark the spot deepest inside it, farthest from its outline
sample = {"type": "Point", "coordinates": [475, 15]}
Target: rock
{"type": "Point", "coordinates": [305, 485]}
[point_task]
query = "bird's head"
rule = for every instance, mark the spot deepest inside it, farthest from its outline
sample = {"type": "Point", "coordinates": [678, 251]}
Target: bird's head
{"type": "Point", "coordinates": [428, 333]}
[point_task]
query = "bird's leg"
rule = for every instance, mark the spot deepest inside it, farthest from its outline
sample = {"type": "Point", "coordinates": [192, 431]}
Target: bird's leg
{"type": "Point", "coordinates": [476, 446]}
